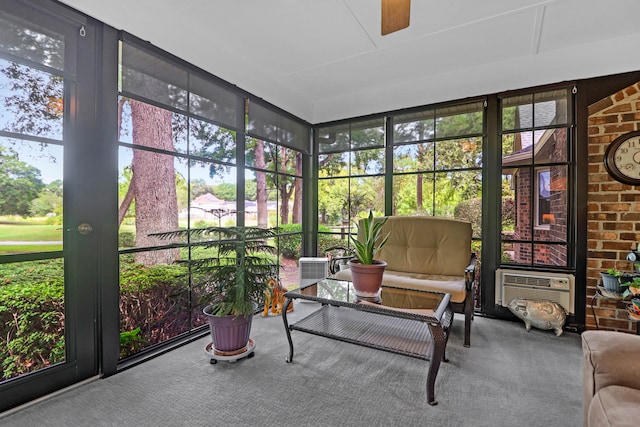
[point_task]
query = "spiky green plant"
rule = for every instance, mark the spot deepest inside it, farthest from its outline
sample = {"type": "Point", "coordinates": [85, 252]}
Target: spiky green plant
{"type": "Point", "coordinates": [234, 277]}
{"type": "Point", "coordinates": [369, 241]}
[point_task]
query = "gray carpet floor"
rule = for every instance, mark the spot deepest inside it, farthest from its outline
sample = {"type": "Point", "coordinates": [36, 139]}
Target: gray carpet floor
{"type": "Point", "coordinates": [507, 378]}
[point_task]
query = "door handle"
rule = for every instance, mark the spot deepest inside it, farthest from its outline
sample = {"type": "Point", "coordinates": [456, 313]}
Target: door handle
{"type": "Point", "coordinates": [83, 229]}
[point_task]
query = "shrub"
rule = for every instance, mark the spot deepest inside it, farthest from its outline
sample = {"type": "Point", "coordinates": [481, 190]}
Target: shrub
{"type": "Point", "coordinates": [470, 210]}
{"type": "Point", "coordinates": [31, 316]}
{"type": "Point", "coordinates": [154, 305]}
{"type": "Point", "coordinates": [508, 213]}
{"type": "Point", "coordinates": [126, 239]}
{"type": "Point", "coordinates": [290, 246]}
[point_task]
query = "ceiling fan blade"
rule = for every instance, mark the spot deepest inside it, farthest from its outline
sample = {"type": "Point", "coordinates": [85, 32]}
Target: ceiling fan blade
{"type": "Point", "coordinates": [395, 15]}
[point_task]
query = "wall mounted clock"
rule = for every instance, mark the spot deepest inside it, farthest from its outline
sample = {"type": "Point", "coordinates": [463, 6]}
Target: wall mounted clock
{"type": "Point", "coordinates": [622, 158]}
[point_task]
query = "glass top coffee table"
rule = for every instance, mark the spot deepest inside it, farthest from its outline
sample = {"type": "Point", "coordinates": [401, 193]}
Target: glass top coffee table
{"type": "Point", "coordinates": [405, 321]}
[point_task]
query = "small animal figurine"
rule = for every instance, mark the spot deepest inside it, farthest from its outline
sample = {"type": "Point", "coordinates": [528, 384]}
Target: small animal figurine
{"type": "Point", "coordinates": [541, 314]}
{"type": "Point", "coordinates": [274, 298]}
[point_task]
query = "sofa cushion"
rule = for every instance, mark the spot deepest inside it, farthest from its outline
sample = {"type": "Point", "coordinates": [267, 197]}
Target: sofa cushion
{"type": "Point", "coordinates": [424, 282]}
{"type": "Point", "coordinates": [426, 245]}
{"type": "Point", "coordinates": [615, 406]}
{"type": "Point", "coordinates": [609, 358]}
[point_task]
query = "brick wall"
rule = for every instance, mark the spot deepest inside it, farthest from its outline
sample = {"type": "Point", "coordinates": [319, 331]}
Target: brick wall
{"type": "Point", "coordinates": [613, 207]}
{"type": "Point", "coordinates": [555, 150]}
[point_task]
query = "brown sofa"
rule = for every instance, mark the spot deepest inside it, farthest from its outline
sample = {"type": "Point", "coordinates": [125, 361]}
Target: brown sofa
{"type": "Point", "coordinates": [611, 379]}
{"type": "Point", "coordinates": [430, 253]}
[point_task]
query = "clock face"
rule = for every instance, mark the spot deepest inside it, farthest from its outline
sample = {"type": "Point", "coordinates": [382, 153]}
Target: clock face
{"type": "Point", "coordinates": [622, 158]}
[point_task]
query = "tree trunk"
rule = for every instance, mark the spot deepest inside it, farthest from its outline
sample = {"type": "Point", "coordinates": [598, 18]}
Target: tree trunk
{"type": "Point", "coordinates": [124, 206]}
{"type": "Point", "coordinates": [261, 186]}
{"type": "Point", "coordinates": [284, 206]}
{"type": "Point", "coordinates": [297, 194]}
{"type": "Point", "coordinates": [154, 182]}
{"type": "Point", "coordinates": [419, 191]}
{"type": "Point", "coordinates": [285, 189]}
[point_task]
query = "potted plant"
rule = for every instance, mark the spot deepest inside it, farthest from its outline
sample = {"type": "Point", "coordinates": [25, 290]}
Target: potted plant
{"type": "Point", "coordinates": [231, 278]}
{"type": "Point", "coordinates": [614, 280]}
{"type": "Point", "coordinates": [366, 272]}
{"type": "Point", "coordinates": [633, 288]}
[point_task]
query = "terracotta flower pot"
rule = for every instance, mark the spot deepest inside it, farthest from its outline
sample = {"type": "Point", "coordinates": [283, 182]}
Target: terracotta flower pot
{"type": "Point", "coordinates": [367, 278]}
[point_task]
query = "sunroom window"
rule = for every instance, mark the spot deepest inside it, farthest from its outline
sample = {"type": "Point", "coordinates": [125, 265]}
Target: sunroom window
{"type": "Point", "coordinates": [536, 140]}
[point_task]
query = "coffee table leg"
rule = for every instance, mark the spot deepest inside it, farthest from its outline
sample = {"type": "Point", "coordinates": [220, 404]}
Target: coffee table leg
{"type": "Point", "coordinates": [287, 330]}
{"type": "Point", "coordinates": [437, 354]}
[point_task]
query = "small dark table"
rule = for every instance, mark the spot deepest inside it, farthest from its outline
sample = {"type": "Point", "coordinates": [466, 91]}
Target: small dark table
{"type": "Point", "coordinates": [409, 322]}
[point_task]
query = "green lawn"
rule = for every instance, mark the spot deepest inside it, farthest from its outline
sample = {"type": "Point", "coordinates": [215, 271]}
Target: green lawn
{"type": "Point", "coordinates": [29, 231]}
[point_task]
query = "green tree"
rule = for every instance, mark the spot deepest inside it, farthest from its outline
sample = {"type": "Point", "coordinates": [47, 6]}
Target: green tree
{"type": "Point", "coordinates": [20, 184]}
{"type": "Point", "coordinates": [200, 187]}
{"type": "Point", "coordinates": [36, 100]}
{"type": "Point", "coordinates": [49, 201]}
{"type": "Point", "coordinates": [225, 191]}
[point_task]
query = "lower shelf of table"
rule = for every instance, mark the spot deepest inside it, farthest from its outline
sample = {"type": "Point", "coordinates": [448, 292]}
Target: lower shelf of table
{"type": "Point", "coordinates": [394, 334]}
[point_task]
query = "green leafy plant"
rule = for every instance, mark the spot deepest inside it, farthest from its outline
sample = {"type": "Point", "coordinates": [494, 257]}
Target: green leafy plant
{"type": "Point", "coordinates": [31, 316]}
{"type": "Point", "coordinates": [232, 274]}
{"type": "Point", "coordinates": [131, 342]}
{"type": "Point", "coordinates": [369, 241]}
{"type": "Point", "coordinates": [614, 272]}
{"type": "Point", "coordinates": [633, 286]}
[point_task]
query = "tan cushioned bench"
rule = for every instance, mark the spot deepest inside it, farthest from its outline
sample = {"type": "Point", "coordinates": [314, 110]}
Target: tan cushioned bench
{"type": "Point", "coordinates": [430, 253]}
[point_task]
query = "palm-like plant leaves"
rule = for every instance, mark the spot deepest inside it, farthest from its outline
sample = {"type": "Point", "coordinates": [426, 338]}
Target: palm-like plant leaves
{"type": "Point", "coordinates": [371, 242]}
{"type": "Point", "coordinates": [234, 278]}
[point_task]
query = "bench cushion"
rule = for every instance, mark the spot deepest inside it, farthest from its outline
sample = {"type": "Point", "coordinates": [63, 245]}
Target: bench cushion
{"type": "Point", "coordinates": [426, 282]}
{"type": "Point", "coordinates": [426, 245]}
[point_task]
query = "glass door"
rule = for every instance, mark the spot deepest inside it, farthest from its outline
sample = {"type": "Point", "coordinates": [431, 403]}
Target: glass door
{"type": "Point", "coordinates": [48, 245]}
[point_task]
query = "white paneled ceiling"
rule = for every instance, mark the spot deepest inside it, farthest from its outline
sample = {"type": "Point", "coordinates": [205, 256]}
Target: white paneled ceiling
{"type": "Point", "coordinates": [325, 60]}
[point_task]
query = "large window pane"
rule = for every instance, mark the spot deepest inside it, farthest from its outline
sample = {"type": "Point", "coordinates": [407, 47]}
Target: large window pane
{"type": "Point", "coordinates": [417, 126]}
{"type": "Point", "coordinates": [334, 164]}
{"type": "Point", "coordinates": [29, 41]}
{"type": "Point", "coordinates": [413, 157]}
{"type": "Point", "coordinates": [150, 126]}
{"type": "Point", "coordinates": [31, 316]}
{"type": "Point", "coordinates": [212, 141]}
{"type": "Point", "coordinates": [213, 196]}
{"type": "Point", "coordinates": [33, 101]}
{"type": "Point", "coordinates": [449, 124]}
{"type": "Point", "coordinates": [333, 202]}
{"type": "Point", "coordinates": [517, 112]}
{"type": "Point", "coordinates": [535, 110]}
{"type": "Point", "coordinates": [459, 153]}
{"type": "Point", "coordinates": [261, 203]}
{"type": "Point", "coordinates": [368, 162]}
{"type": "Point", "coordinates": [456, 188]}
{"type": "Point", "coordinates": [261, 154]}
{"type": "Point", "coordinates": [413, 194]}
{"type": "Point", "coordinates": [367, 134]}
{"type": "Point", "coordinates": [31, 200]}
{"type": "Point", "coordinates": [549, 254]}
{"type": "Point", "coordinates": [154, 302]}
{"type": "Point", "coordinates": [535, 177]}
{"type": "Point", "coordinates": [551, 146]}
{"type": "Point", "coordinates": [551, 108]}
{"type": "Point", "coordinates": [333, 139]}
{"type": "Point", "coordinates": [366, 193]}
{"type": "Point", "coordinates": [518, 148]}
{"type": "Point", "coordinates": [157, 180]}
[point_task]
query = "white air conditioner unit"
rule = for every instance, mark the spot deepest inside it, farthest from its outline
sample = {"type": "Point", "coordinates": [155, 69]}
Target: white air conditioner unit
{"type": "Point", "coordinates": [557, 287]}
{"type": "Point", "coordinates": [312, 270]}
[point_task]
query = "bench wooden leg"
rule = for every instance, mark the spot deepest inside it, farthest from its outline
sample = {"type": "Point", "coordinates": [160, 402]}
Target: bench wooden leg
{"type": "Point", "coordinates": [468, 317]}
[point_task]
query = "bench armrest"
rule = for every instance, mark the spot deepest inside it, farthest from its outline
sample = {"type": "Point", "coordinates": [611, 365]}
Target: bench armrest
{"type": "Point", "coordinates": [470, 272]}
